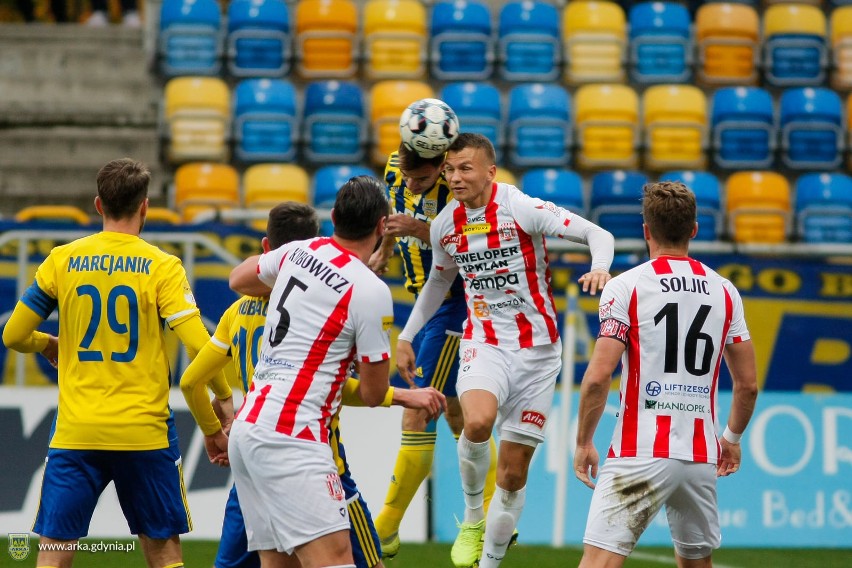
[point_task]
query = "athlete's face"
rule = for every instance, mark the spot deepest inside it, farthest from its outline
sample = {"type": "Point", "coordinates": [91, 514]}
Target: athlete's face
{"type": "Point", "coordinates": [422, 179]}
{"type": "Point", "coordinates": [470, 175]}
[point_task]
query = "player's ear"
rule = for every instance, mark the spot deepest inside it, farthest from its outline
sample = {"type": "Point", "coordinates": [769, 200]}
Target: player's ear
{"type": "Point", "coordinates": [98, 206]}
{"type": "Point", "coordinates": [143, 209]}
{"type": "Point", "coordinates": [646, 232]}
{"type": "Point", "coordinates": [694, 231]}
{"type": "Point", "coordinates": [264, 243]}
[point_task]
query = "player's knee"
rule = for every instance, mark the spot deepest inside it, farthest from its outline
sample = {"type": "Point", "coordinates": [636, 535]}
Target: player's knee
{"type": "Point", "coordinates": [478, 428]}
{"type": "Point", "coordinates": [693, 556]}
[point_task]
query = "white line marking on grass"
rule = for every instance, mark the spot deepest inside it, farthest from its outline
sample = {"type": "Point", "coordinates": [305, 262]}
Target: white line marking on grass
{"type": "Point", "coordinates": [668, 559]}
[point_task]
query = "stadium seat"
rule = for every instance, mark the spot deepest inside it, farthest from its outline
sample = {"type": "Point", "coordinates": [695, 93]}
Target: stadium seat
{"type": "Point", "coordinates": [327, 181]}
{"type": "Point", "coordinates": [462, 46]}
{"type": "Point", "coordinates": [794, 45]}
{"type": "Point", "coordinates": [196, 119]}
{"type": "Point", "coordinates": [708, 198]}
{"type": "Point", "coordinates": [53, 213]}
{"type": "Point", "coordinates": [811, 123]}
{"type": "Point", "coordinates": [727, 36]}
{"type": "Point", "coordinates": [539, 125]}
{"type": "Point", "coordinates": [265, 121]}
{"type": "Point", "coordinates": [824, 208]}
{"type": "Point", "coordinates": [199, 187]}
{"type": "Point", "coordinates": [561, 187]}
{"type": "Point", "coordinates": [479, 110]}
{"type": "Point", "coordinates": [660, 43]}
{"type": "Point", "coordinates": [258, 38]}
{"type": "Point", "coordinates": [162, 216]}
{"type": "Point", "coordinates": [334, 124]}
{"type": "Point", "coordinates": [505, 176]}
{"type": "Point", "coordinates": [267, 185]}
{"type": "Point", "coordinates": [607, 126]}
{"type": "Point", "coordinates": [394, 39]}
{"type": "Point", "coordinates": [616, 203]}
{"type": "Point", "coordinates": [387, 101]}
{"type": "Point", "coordinates": [326, 38]}
{"type": "Point", "coordinates": [190, 38]}
{"type": "Point", "coordinates": [841, 47]}
{"type": "Point", "coordinates": [594, 38]}
{"type": "Point", "coordinates": [744, 131]}
{"type": "Point", "coordinates": [758, 207]}
{"type": "Point", "coordinates": [675, 124]}
{"type": "Point", "coordinates": [528, 41]}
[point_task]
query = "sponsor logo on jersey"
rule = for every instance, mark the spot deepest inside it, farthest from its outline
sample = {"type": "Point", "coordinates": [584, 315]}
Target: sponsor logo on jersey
{"type": "Point", "coordinates": [652, 404]}
{"type": "Point", "coordinates": [335, 487]}
{"type": "Point", "coordinates": [653, 388]}
{"type": "Point", "coordinates": [476, 228]}
{"type": "Point", "coordinates": [497, 282]}
{"type": "Point", "coordinates": [469, 355]}
{"type": "Point", "coordinates": [430, 207]}
{"type": "Point", "coordinates": [507, 231]}
{"type": "Point", "coordinates": [488, 254]}
{"type": "Point", "coordinates": [387, 322]}
{"type": "Point", "coordinates": [512, 302]}
{"type": "Point", "coordinates": [480, 309]}
{"type": "Point", "coordinates": [451, 239]}
{"type": "Point", "coordinates": [477, 219]}
{"type": "Point", "coordinates": [534, 418]}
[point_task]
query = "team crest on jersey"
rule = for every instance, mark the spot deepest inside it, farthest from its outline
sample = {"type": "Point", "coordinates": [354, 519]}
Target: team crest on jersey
{"type": "Point", "coordinates": [476, 228]}
{"type": "Point", "coordinates": [335, 487]}
{"type": "Point", "coordinates": [430, 207]}
{"type": "Point", "coordinates": [469, 355]}
{"type": "Point", "coordinates": [451, 239]}
{"type": "Point", "coordinates": [507, 231]}
{"type": "Point", "coordinates": [614, 329]}
{"type": "Point", "coordinates": [605, 310]}
{"type": "Point", "coordinates": [480, 309]}
{"type": "Point", "coordinates": [19, 545]}
{"type": "Point", "coordinates": [534, 418]}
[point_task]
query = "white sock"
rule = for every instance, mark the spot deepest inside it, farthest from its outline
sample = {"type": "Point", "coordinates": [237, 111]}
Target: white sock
{"type": "Point", "coordinates": [503, 515]}
{"type": "Point", "coordinates": [474, 459]}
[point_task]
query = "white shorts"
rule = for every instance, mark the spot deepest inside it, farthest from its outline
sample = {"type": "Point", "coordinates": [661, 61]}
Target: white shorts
{"type": "Point", "coordinates": [630, 492]}
{"type": "Point", "coordinates": [523, 380]}
{"type": "Point", "coordinates": [290, 493]}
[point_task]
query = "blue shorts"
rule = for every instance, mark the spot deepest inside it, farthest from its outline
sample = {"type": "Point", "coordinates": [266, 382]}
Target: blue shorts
{"type": "Point", "coordinates": [233, 546]}
{"type": "Point", "coordinates": [149, 485]}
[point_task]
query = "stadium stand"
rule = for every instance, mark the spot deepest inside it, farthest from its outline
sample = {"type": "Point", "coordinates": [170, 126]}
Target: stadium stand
{"type": "Point", "coordinates": [265, 120]}
{"type": "Point", "coordinates": [334, 125]}
{"type": "Point", "coordinates": [559, 186]}
{"type": "Point", "coordinates": [326, 40]}
{"type": "Point", "coordinates": [727, 36]}
{"type": "Point", "coordinates": [327, 181]}
{"type": "Point", "coordinates": [708, 197]}
{"type": "Point", "coordinates": [794, 45]}
{"type": "Point", "coordinates": [479, 109]}
{"type": "Point", "coordinates": [528, 41]}
{"type": "Point", "coordinates": [675, 124]}
{"type": "Point", "coordinates": [660, 43]}
{"type": "Point", "coordinates": [258, 42]}
{"type": "Point", "coordinates": [616, 202]}
{"type": "Point", "coordinates": [824, 208]}
{"type": "Point", "coordinates": [387, 101]}
{"type": "Point", "coordinates": [394, 39]}
{"type": "Point", "coordinates": [539, 125]}
{"type": "Point", "coordinates": [505, 176]}
{"type": "Point", "coordinates": [594, 40]}
{"type": "Point", "coordinates": [190, 39]}
{"type": "Point", "coordinates": [196, 119]}
{"type": "Point", "coordinates": [744, 130]}
{"type": "Point", "coordinates": [61, 213]}
{"type": "Point", "coordinates": [461, 41]}
{"type": "Point", "coordinates": [267, 185]}
{"type": "Point", "coordinates": [758, 207]}
{"type": "Point", "coordinates": [841, 47]}
{"type": "Point", "coordinates": [811, 123]}
{"type": "Point", "coordinates": [607, 126]}
{"type": "Point", "coordinates": [205, 186]}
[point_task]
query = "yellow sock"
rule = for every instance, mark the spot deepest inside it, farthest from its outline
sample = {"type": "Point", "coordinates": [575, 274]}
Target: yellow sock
{"type": "Point", "coordinates": [491, 477]}
{"type": "Point", "coordinates": [413, 464]}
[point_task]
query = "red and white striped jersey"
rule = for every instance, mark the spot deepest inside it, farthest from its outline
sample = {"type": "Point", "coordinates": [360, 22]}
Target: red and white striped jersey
{"type": "Point", "coordinates": [502, 258]}
{"type": "Point", "coordinates": [675, 316]}
{"type": "Point", "coordinates": [326, 307]}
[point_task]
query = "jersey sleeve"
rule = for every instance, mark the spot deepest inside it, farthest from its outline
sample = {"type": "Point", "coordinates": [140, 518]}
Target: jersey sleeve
{"type": "Point", "coordinates": [269, 265]}
{"type": "Point", "coordinates": [738, 331]}
{"type": "Point", "coordinates": [372, 311]}
{"type": "Point", "coordinates": [613, 310]}
{"type": "Point", "coordinates": [221, 339]}
{"type": "Point", "coordinates": [174, 296]}
{"type": "Point", "coordinates": [537, 216]}
{"type": "Point", "coordinates": [441, 259]}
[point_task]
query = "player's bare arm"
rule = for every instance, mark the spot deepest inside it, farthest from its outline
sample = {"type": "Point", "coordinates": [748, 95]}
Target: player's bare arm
{"type": "Point", "coordinates": [741, 362]}
{"type": "Point", "coordinates": [244, 279]}
{"type": "Point", "coordinates": [593, 394]}
{"type": "Point", "coordinates": [374, 382]}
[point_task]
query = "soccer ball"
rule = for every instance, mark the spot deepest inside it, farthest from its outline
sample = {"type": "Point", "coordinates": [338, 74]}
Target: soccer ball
{"type": "Point", "coordinates": [428, 127]}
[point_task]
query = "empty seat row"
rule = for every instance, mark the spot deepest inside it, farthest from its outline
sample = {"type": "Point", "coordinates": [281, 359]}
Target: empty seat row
{"type": "Point", "coordinates": [589, 41]}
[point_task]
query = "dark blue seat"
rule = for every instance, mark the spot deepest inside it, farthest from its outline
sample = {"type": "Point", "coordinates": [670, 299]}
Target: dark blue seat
{"type": "Point", "coordinates": [616, 203]}
{"type": "Point", "coordinates": [824, 208]}
{"type": "Point", "coordinates": [539, 125]}
{"type": "Point", "coordinates": [462, 45]}
{"type": "Point", "coordinates": [743, 126]}
{"type": "Point", "coordinates": [559, 186]}
{"type": "Point", "coordinates": [334, 122]}
{"type": "Point", "coordinates": [190, 38]}
{"type": "Point", "coordinates": [795, 52]}
{"type": "Point", "coordinates": [479, 110]}
{"type": "Point", "coordinates": [708, 198]}
{"type": "Point", "coordinates": [811, 123]}
{"type": "Point", "coordinates": [258, 38]}
{"type": "Point", "coordinates": [660, 43]}
{"type": "Point", "coordinates": [265, 120]}
{"type": "Point", "coordinates": [327, 180]}
{"type": "Point", "coordinates": [528, 44]}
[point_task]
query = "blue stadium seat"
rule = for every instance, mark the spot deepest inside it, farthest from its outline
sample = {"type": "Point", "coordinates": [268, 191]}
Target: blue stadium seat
{"type": "Point", "coordinates": [811, 126]}
{"type": "Point", "coordinates": [795, 52]}
{"type": "Point", "coordinates": [528, 41]}
{"type": "Point", "coordinates": [743, 125]}
{"type": "Point", "coordinates": [479, 110]}
{"type": "Point", "coordinates": [190, 38]}
{"type": "Point", "coordinates": [562, 187]}
{"type": "Point", "coordinates": [265, 121]}
{"type": "Point", "coordinates": [660, 43]}
{"type": "Point", "coordinates": [708, 198]}
{"type": "Point", "coordinates": [616, 203]}
{"type": "Point", "coordinates": [327, 180]}
{"type": "Point", "coordinates": [258, 38]}
{"type": "Point", "coordinates": [334, 122]}
{"type": "Point", "coordinates": [824, 208]}
{"type": "Point", "coordinates": [539, 125]}
{"type": "Point", "coordinates": [462, 46]}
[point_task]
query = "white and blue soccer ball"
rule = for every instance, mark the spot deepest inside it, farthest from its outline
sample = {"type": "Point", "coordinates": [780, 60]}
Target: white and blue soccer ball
{"type": "Point", "coordinates": [428, 127]}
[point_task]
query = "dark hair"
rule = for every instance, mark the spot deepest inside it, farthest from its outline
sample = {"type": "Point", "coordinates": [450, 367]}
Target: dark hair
{"type": "Point", "coordinates": [359, 205]}
{"type": "Point", "coordinates": [475, 141]}
{"type": "Point", "coordinates": [410, 160]}
{"type": "Point", "coordinates": [291, 221]}
{"type": "Point", "coordinates": [122, 187]}
{"type": "Point", "coordinates": [669, 211]}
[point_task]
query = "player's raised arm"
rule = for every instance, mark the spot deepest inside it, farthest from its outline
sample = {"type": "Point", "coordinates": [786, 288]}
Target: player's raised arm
{"type": "Point", "coordinates": [244, 279]}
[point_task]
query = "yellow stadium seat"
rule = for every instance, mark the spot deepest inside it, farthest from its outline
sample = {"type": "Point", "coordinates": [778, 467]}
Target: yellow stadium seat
{"type": "Point", "coordinates": [62, 213]}
{"type": "Point", "coordinates": [841, 47]}
{"type": "Point", "coordinates": [607, 118]}
{"type": "Point", "coordinates": [727, 36]}
{"type": "Point", "coordinates": [267, 185]}
{"type": "Point", "coordinates": [758, 207]}
{"type": "Point", "coordinates": [196, 114]}
{"type": "Point", "coordinates": [162, 216]}
{"type": "Point", "coordinates": [505, 176]}
{"type": "Point", "coordinates": [387, 101]}
{"type": "Point", "coordinates": [675, 125]}
{"type": "Point", "coordinates": [794, 45]}
{"type": "Point", "coordinates": [594, 39]}
{"type": "Point", "coordinates": [326, 38]}
{"type": "Point", "coordinates": [394, 39]}
{"type": "Point", "coordinates": [205, 186]}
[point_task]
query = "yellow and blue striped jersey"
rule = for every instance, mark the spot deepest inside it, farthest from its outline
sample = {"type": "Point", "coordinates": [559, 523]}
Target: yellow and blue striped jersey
{"type": "Point", "coordinates": [113, 291]}
{"type": "Point", "coordinates": [417, 255]}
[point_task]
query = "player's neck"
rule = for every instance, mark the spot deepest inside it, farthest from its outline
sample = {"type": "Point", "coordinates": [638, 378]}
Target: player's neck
{"type": "Point", "coordinates": [362, 249]}
{"type": "Point", "coordinates": [676, 252]}
{"type": "Point", "coordinates": [129, 226]}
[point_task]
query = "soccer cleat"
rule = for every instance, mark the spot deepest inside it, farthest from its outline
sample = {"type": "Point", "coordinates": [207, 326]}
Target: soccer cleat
{"type": "Point", "coordinates": [514, 540]}
{"type": "Point", "coordinates": [468, 545]}
{"type": "Point", "coordinates": [390, 546]}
